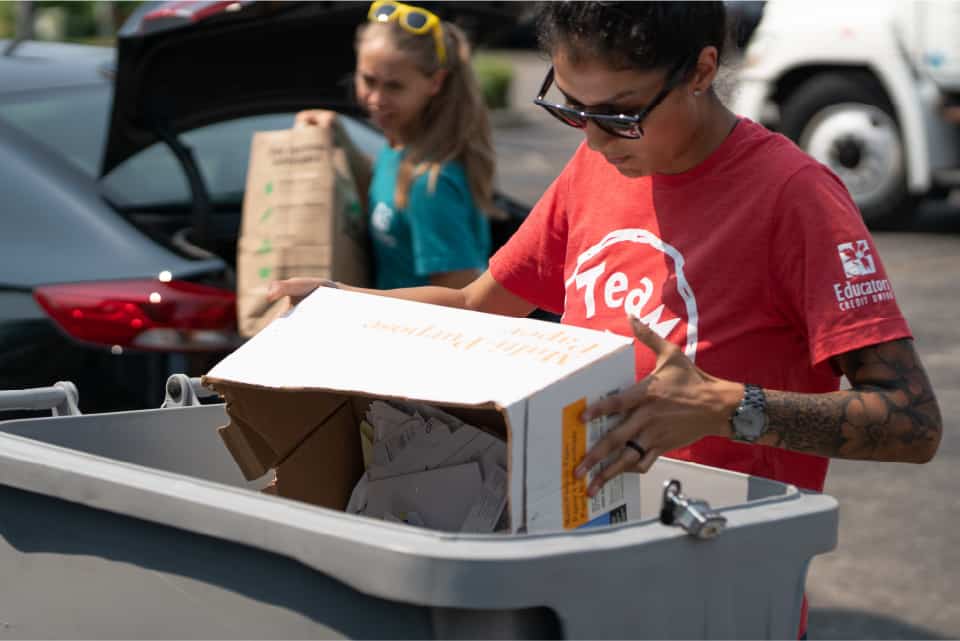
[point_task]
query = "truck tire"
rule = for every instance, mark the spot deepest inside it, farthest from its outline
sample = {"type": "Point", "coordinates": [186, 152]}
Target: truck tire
{"type": "Point", "coordinates": [846, 121]}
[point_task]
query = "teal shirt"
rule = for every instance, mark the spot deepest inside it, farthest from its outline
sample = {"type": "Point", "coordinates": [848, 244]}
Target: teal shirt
{"type": "Point", "coordinates": [438, 232]}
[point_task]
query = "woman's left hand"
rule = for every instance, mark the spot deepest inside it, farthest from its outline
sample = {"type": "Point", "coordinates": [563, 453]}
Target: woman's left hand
{"type": "Point", "coordinates": [314, 118]}
{"type": "Point", "coordinates": [677, 404]}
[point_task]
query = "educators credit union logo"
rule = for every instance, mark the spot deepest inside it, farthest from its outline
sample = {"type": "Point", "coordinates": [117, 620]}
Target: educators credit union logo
{"type": "Point", "coordinates": [856, 259]}
{"type": "Point", "coordinates": [591, 283]}
{"type": "Point", "coordinates": [855, 292]}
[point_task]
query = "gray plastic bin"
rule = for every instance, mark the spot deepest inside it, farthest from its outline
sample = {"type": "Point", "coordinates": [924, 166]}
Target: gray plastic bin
{"type": "Point", "coordinates": [139, 525]}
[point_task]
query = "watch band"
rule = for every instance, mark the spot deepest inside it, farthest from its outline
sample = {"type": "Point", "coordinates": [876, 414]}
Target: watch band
{"type": "Point", "coordinates": [749, 420]}
{"type": "Point", "coordinates": [753, 397]}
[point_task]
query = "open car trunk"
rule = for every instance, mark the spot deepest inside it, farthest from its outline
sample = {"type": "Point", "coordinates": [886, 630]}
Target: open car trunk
{"type": "Point", "coordinates": [188, 69]}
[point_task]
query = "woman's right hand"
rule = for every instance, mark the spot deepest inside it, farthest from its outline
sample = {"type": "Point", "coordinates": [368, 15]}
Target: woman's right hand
{"type": "Point", "coordinates": [314, 118]}
{"type": "Point", "coordinates": [296, 288]}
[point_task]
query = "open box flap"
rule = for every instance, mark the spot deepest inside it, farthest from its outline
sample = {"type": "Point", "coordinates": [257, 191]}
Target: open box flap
{"type": "Point", "coordinates": [266, 425]}
{"type": "Point", "coordinates": [349, 342]}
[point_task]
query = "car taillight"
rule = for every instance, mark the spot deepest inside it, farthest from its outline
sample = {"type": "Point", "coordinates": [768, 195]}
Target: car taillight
{"type": "Point", "coordinates": [144, 314]}
{"type": "Point", "coordinates": [174, 14]}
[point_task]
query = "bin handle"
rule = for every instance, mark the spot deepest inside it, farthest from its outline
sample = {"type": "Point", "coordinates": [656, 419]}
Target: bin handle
{"type": "Point", "coordinates": [62, 399]}
{"type": "Point", "coordinates": [185, 391]}
{"type": "Point", "coordinates": [695, 516]}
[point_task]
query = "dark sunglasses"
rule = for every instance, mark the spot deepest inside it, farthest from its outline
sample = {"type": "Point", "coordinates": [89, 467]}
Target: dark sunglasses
{"type": "Point", "coordinates": [622, 125]}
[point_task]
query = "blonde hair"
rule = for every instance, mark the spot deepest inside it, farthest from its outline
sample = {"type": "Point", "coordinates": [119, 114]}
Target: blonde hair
{"type": "Point", "coordinates": [454, 125]}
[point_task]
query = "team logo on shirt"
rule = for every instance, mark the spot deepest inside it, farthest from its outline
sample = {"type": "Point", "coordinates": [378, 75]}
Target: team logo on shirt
{"type": "Point", "coordinates": [602, 289]}
{"type": "Point", "coordinates": [858, 262]}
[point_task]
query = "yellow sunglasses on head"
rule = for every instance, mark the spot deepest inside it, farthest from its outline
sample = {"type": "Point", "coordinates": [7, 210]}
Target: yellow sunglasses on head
{"type": "Point", "coordinates": [413, 19]}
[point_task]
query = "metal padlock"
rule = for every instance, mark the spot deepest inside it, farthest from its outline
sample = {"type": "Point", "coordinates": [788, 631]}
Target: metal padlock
{"type": "Point", "coordinates": [696, 517]}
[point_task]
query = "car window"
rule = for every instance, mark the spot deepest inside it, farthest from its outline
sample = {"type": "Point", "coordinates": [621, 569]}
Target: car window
{"type": "Point", "coordinates": [74, 124]}
{"type": "Point", "coordinates": [221, 150]}
{"type": "Point", "coordinates": [154, 176]}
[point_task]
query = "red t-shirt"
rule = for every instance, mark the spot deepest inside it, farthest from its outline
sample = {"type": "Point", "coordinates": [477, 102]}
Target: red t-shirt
{"type": "Point", "coordinates": [756, 262]}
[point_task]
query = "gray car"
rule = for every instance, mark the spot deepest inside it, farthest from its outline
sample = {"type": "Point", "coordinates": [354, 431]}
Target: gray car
{"type": "Point", "coordinates": [122, 173]}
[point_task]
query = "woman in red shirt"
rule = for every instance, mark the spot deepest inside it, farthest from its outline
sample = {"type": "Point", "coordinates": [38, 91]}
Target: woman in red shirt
{"type": "Point", "coordinates": [740, 264]}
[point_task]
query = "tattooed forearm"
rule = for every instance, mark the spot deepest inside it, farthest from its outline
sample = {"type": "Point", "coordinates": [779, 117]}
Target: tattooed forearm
{"type": "Point", "coordinates": [890, 414]}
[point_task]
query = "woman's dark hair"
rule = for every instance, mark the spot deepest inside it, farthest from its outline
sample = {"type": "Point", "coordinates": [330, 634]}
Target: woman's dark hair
{"type": "Point", "coordinates": [644, 36]}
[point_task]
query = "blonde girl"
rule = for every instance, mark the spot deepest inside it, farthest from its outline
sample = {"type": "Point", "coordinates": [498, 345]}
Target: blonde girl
{"type": "Point", "coordinates": [432, 189]}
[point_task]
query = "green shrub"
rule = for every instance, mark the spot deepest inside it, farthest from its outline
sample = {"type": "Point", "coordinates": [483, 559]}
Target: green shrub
{"type": "Point", "coordinates": [495, 76]}
{"type": "Point", "coordinates": [7, 20]}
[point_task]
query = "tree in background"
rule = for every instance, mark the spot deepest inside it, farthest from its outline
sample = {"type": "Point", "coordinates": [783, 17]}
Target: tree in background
{"type": "Point", "coordinates": [8, 19]}
{"type": "Point", "coordinates": [86, 21]}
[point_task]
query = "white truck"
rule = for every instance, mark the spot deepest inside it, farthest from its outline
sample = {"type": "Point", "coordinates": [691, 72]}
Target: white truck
{"type": "Point", "coordinates": [870, 88]}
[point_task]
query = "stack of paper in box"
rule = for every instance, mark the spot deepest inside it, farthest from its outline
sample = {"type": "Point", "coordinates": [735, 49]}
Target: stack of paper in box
{"type": "Point", "coordinates": [428, 468]}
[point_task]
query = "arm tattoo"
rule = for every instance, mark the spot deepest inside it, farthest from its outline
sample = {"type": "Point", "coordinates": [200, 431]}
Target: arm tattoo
{"type": "Point", "coordinates": [890, 414]}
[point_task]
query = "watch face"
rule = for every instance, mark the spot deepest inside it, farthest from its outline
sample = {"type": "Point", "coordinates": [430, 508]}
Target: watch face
{"type": "Point", "coordinates": [750, 422]}
{"type": "Point", "coordinates": [755, 421]}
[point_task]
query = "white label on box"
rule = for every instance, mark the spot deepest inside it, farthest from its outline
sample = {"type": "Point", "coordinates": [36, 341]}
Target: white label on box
{"type": "Point", "coordinates": [611, 495]}
{"type": "Point", "coordinates": [485, 513]}
{"type": "Point", "coordinates": [578, 438]}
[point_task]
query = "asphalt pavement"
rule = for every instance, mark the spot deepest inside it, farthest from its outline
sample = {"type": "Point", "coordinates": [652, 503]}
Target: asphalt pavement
{"type": "Point", "coordinates": [893, 573]}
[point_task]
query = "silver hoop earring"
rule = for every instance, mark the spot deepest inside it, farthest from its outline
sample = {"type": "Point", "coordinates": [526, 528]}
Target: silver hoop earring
{"type": "Point", "coordinates": [696, 92]}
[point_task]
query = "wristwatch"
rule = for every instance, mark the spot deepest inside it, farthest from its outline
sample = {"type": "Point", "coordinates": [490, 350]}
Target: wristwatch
{"type": "Point", "coordinates": [749, 420]}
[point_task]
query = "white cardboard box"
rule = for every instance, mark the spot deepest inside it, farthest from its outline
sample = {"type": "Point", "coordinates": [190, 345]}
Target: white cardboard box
{"type": "Point", "coordinates": [294, 386]}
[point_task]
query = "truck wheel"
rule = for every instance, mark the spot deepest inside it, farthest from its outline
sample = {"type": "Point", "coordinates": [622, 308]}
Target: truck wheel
{"type": "Point", "coordinates": [846, 122]}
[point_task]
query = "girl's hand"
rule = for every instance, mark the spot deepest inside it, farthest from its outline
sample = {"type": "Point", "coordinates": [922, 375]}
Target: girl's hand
{"type": "Point", "coordinates": [314, 118]}
{"type": "Point", "coordinates": [677, 404]}
{"type": "Point", "coordinates": [296, 288]}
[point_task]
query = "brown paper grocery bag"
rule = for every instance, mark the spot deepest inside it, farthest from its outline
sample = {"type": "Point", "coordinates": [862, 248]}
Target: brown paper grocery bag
{"type": "Point", "coordinates": [304, 214]}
